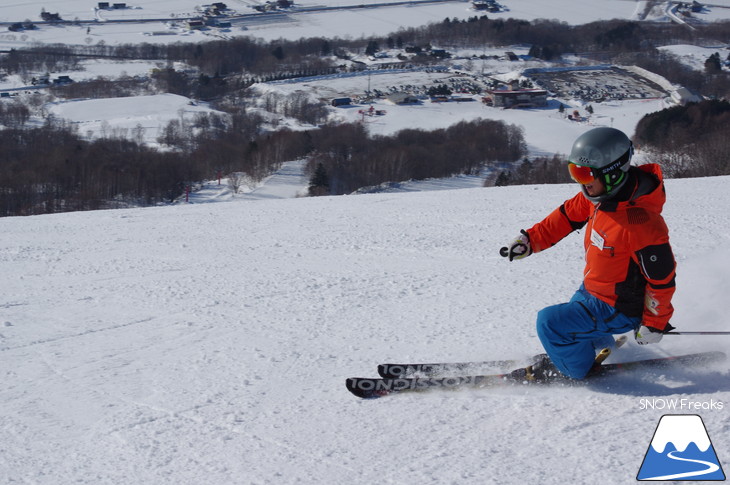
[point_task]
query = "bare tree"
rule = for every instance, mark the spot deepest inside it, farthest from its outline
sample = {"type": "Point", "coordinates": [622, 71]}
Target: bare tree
{"type": "Point", "coordinates": [236, 180]}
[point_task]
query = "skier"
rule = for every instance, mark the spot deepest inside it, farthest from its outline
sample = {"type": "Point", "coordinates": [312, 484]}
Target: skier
{"type": "Point", "coordinates": [628, 281]}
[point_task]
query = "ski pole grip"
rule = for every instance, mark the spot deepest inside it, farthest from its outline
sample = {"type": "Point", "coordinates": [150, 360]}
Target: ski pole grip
{"type": "Point", "coordinates": [504, 252]}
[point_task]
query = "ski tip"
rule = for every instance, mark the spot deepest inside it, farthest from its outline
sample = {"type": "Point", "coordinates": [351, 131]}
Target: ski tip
{"type": "Point", "coordinates": [355, 386]}
{"type": "Point", "coordinates": [350, 384]}
{"type": "Point", "coordinates": [384, 371]}
{"type": "Point", "coordinates": [707, 357]}
{"type": "Point", "coordinates": [396, 371]}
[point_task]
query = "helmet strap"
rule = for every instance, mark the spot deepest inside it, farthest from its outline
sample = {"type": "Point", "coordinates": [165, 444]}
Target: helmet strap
{"type": "Point", "coordinates": [610, 184]}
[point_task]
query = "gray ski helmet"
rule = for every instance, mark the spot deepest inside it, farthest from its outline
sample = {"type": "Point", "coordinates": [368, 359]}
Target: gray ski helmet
{"type": "Point", "coordinates": [608, 152]}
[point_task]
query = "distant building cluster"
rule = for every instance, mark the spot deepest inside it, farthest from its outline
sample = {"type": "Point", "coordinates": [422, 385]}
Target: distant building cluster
{"type": "Point", "coordinates": [274, 5]}
{"type": "Point", "coordinates": [50, 17]}
{"type": "Point", "coordinates": [46, 80]}
{"type": "Point", "coordinates": [581, 83]}
{"type": "Point", "coordinates": [20, 26]}
{"type": "Point", "coordinates": [487, 5]}
{"type": "Point", "coordinates": [212, 15]}
{"type": "Point", "coordinates": [217, 8]}
{"type": "Point", "coordinates": [688, 8]}
{"type": "Point", "coordinates": [111, 6]}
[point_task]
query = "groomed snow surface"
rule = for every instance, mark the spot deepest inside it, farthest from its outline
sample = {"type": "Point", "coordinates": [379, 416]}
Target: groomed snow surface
{"type": "Point", "coordinates": [209, 343]}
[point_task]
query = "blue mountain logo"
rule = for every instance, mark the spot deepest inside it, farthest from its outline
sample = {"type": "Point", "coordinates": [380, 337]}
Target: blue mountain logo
{"type": "Point", "coordinates": [681, 450]}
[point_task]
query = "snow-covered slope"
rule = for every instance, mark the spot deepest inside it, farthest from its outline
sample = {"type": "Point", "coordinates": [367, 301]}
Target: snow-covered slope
{"type": "Point", "coordinates": [209, 343]}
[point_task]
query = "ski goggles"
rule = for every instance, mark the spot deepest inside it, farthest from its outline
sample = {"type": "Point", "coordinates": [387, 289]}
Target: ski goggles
{"type": "Point", "coordinates": [581, 174]}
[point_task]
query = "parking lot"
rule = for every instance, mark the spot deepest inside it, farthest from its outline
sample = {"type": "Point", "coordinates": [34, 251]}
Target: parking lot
{"type": "Point", "coordinates": [596, 84]}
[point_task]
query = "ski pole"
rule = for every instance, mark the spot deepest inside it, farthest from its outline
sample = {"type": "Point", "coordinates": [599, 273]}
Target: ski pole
{"type": "Point", "coordinates": [697, 333]}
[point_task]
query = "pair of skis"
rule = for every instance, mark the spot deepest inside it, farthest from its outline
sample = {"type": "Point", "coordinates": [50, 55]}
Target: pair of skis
{"type": "Point", "coordinates": [397, 378]}
{"type": "Point", "coordinates": [395, 371]}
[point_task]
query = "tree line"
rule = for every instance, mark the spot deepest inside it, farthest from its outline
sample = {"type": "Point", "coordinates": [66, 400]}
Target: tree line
{"type": "Point", "coordinates": [689, 141]}
{"type": "Point", "coordinates": [539, 170]}
{"type": "Point", "coordinates": [228, 65]}
{"type": "Point", "coordinates": [52, 168]}
{"type": "Point", "coordinates": [345, 158]}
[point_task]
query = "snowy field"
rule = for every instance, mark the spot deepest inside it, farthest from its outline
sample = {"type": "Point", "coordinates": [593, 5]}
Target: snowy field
{"type": "Point", "coordinates": [298, 22]}
{"type": "Point", "coordinates": [144, 115]}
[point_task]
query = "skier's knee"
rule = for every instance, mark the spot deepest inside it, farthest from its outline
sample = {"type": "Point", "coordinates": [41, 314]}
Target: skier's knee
{"type": "Point", "coordinates": [546, 323]}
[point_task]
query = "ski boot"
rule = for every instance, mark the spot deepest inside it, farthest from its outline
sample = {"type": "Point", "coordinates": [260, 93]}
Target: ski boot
{"type": "Point", "coordinates": [542, 369]}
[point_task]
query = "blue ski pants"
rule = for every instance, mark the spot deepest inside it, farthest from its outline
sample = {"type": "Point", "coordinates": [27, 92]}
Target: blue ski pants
{"type": "Point", "coordinates": [571, 332]}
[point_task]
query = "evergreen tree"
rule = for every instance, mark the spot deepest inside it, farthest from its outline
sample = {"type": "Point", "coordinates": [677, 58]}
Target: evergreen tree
{"type": "Point", "coordinates": [713, 64]}
{"type": "Point", "coordinates": [319, 183]}
{"type": "Point", "coordinates": [372, 48]}
{"type": "Point", "coordinates": [278, 52]}
{"type": "Point", "coordinates": [326, 48]}
{"type": "Point", "coordinates": [503, 179]}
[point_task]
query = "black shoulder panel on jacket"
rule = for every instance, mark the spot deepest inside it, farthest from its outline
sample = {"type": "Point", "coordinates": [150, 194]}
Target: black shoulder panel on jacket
{"type": "Point", "coordinates": [657, 262]}
{"type": "Point", "coordinates": [575, 225]}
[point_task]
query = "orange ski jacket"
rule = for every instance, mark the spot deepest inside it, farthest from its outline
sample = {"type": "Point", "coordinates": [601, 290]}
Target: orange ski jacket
{"type": "Point", "coordinates": [629, 261]}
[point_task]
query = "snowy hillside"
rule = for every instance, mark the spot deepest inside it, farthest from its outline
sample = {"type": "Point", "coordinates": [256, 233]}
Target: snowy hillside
{"type": "Point", "coordinates": [209, 343]}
